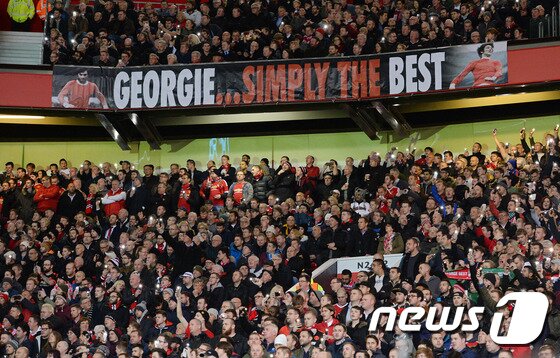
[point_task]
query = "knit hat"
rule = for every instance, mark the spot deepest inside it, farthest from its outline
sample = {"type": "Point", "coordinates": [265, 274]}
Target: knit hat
{"type": "Point", "coordinates": [8, 280]}
{"type": "Point", "coordinates": [13, 343]}
{"type": "Point", "coordinates": [10, 255]}
{"type": "Point", "coordinates": [168, 291]}
{"type": "Point", "coordinates": [213, 312]}
{"type": "Point", "coordinates": [141, 306]}
{"type": "Point", "coordinates": [337, 218]}
{"type": "Point", "coordinates": [111, 318]}
{"type": "Point", "coordinates": [281, 340]}
{"type": "Point", "coordinates": [409, 281]}
{"type": "Point", "coordinates": [75, 330]}
{"type": "Point", "coordinates": [400, 290]}
{"type": "Point", "coordinates": [490, 277]}
{"type": "Point", "coordinates": [458, 289]}
{"type": "Point", "coordinates": [12, 321]}
{"type": "Point", "coordinates": [103, 350]}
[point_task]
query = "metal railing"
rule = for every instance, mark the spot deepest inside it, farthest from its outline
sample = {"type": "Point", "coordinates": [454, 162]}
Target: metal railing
{"type": "Point", "coordinates": [554, 22]}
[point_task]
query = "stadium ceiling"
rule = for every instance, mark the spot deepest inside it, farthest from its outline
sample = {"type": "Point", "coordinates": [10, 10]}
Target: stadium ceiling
{"type": "Point", "coordinates": [399, 115]}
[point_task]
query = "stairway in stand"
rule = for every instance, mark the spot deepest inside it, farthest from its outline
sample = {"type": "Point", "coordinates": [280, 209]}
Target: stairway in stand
{"type": "Point", "coordinates": [21, 48]}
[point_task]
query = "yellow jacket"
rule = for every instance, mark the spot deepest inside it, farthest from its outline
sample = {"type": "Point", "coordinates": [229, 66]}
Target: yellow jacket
{"type": "Point", "coordinates": [21, 10]}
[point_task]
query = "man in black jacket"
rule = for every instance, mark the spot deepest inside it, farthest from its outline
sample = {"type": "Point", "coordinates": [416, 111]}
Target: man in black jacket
{"type": "Point", "coordinates": [136, 197]}
{"type": "Point", "coordinates": [226, 171]}
{"type": "Point", "coordinates": [240, 345]}
{"type": "Point", "coordinates": [71, 202]}
{"type": "Point", "coordinates": [348, 182]}
{"type": "Point", "coordinates": [380, 281]}
{"type": "Point", "coordinates": [411, 259]}
{"type": "Point", "coordinates": [333, 240]}
{"type": "Point", "coordinates": [189, 252]}
{"type": "Point", "coordinates": [196, 337]}
{"type": "Point", "coordinates": [149, 179]}
{"type": "Point", "coordinates": [362, 240]}
{"type": "Point", "coordinates": [261, 183]}
{"type": "Point", "coordinates": [116, 311]}
{"type": "Point", "coordinates": [237, 288]}
{"type": "Point", "coordinates": [324, 188]}
{"type": "Point", "coordinates": [197, 177]}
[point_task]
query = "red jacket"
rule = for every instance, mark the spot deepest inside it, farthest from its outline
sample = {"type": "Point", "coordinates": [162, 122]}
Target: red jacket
{"type": "Point", "coordinates": [46, 198]}
{"type": "Point", "coordinates": [312, 174]}
{"type": "Point", "coordinates": [113, 201]}
{"type": "Point", "coordinates": [185, 192]}
{"type": "Point", "coordinates": [219, 187]}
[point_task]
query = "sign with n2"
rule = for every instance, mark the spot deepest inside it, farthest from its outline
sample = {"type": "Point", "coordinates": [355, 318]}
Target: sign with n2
{"type": "Point", "coordinates": [363, 263]}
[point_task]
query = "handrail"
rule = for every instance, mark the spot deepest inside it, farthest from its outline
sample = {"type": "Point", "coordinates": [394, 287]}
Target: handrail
{"type": "Point", "coordinates": [554, 22]}
{"type": "Point", "coordinates": [47, 36]}
{"type": "Point", "coordinates": [558, 18]}
{"type": "Point", "coordinates": [548, 25]}
{"type": "Point", "coordinates": [541, 29]}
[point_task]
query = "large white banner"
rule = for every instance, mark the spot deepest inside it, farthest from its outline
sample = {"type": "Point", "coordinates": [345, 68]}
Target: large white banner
{"type": "Point", "coordinates": [363, 263]}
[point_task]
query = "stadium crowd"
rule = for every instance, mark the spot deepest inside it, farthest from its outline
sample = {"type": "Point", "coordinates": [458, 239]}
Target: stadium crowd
{"type": "Point", "coordinates": [199, 262]}
{"type": "Point", "coordinates": [123, 33]}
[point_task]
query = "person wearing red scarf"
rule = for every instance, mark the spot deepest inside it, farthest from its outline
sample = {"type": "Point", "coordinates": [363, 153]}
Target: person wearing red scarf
{"type": "Point", "coordinates": [116, 310]}
{"type": "Point", "coordinates": [160, 245]}
{"type": "Point", "coordinates": [226, 171]}
{"type": "Point", "coordinates": [90, 201]}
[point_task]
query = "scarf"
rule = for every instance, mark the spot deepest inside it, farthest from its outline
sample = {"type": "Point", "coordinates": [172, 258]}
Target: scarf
{"type": "Point", "coordinates": [115, 306]}
{"type": "Point", "coordinates": [388, 243]}
{"type": "Point", "coordinates": [89, 204]}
